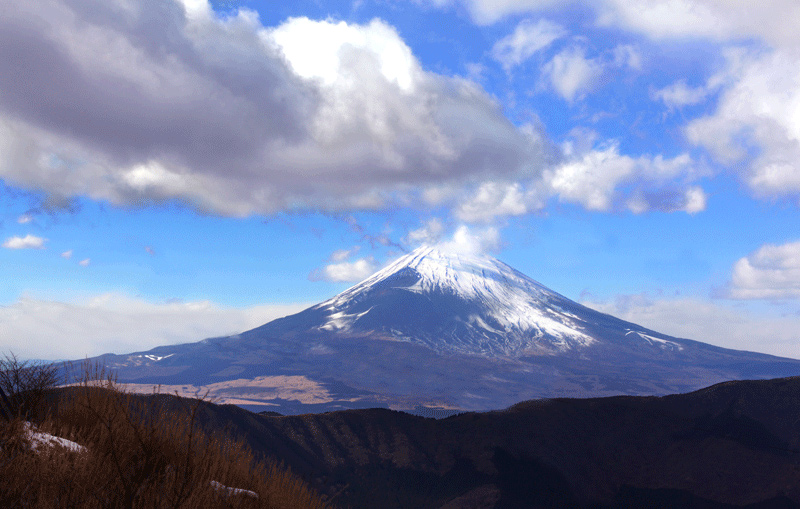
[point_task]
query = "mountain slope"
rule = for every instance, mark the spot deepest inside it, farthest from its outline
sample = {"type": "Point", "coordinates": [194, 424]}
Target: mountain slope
{"type": "Point", "coordinates": [458, 303]}
{"type": "Point", "coordinates": [731, 445]}
{"type": "Point", "coordinates": [441, 329]}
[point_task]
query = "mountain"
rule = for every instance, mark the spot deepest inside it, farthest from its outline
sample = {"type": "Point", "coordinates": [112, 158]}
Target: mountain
{"type": "Point", "coordinates": [732, 445]}
{"type": "Point", "coordinates": [465, 304]}
{"type": "Point", "coordinates": [735, 444]}
{"type": "Point", "coordinates": [452, 303]}
{"type": "Point", "coordinates": [445, 331]}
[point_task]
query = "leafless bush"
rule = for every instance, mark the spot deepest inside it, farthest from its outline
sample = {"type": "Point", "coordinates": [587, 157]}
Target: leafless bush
{"type": "Point", "coordinates": [140, 454]}
{"type": "Point", "coordinates": [25, 384]}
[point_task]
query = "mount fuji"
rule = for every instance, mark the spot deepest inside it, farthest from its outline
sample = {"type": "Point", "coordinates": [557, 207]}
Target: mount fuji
{"type": "Point", "coordinates": [443, 330]}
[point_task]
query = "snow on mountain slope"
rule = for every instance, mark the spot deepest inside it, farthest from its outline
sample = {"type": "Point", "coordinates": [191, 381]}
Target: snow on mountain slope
{"type": "Point", "coordinates": [474, 305]}
{"type": "Point", "coordinates": [441, 329]}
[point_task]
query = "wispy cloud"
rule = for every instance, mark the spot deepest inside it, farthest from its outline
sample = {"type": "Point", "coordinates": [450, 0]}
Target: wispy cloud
{"type": "Point", "coordinates": [679, 94]}
{"type": "Point", "coordinates": [343, 254]}
{"type": "Point", "coordinates": [756, 140]}
{"type": "Point", "coordinates": [430, 233]}
{"type": "Point", "coordinates": [775, 22]}
{"type": "Point", "coordinates": [527, 38]}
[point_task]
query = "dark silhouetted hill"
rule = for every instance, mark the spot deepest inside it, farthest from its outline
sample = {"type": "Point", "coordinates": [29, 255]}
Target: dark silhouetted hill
{"type": "Point", "coordinates": [735, 444]}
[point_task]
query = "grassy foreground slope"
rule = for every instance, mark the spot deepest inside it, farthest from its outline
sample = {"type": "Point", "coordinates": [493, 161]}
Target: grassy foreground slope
{"type": "Point", "coordinates": [735, 444]}
{"type": "Point", "coordinates": [133, 452]}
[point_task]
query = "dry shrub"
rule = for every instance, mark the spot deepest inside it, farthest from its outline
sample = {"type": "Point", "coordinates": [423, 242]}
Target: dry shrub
{"type": "Point", "coordinates": [139, 454]}
{"type": "Point", "coordinates": [24, 385]}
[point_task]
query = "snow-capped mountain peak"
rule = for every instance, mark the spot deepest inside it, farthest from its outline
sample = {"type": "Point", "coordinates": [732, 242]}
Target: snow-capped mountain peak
{"type": "Point", "coordinates": [466, 275]}
{"type": "Point", "coordinates": [475, 304]}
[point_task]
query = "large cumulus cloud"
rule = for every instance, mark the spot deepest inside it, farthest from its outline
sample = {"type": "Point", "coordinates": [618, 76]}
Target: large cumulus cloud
{"type": "Point", "coordinates": [135, 102]}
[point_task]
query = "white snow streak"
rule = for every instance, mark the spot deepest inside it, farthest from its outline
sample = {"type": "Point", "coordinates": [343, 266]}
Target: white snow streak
{"type": "Point", "coordinates": [663, 343]}
{"type": "Point", "coordinates": [509, 298]}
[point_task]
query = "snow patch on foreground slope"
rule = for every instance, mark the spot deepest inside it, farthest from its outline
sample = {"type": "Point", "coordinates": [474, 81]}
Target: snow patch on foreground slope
{"type": "Point", "coordinates": [39, 440]}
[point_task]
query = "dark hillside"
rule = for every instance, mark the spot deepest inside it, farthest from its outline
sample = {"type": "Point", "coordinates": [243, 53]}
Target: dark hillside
{"type": "Point", "coordinates": [730, 445]}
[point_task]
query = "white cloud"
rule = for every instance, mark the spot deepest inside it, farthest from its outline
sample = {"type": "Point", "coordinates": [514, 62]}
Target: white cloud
{"type": "Point", "coordinates": [526, 39]}
{"type": "Point", "coordinates": [326, 62]}
{"type": "Point", "coordinates": [463, 239]}
{"type": "Point", "coordinates": [626, 55]}
{"type": "Point", "coordinates": [472, 240]}
{"type": "Point", "coordinates": [430, 233]}
{"type": "Point", "coordinates": [493, 200]}
{"type": "Point", "coordinates": [345, 272]}
{"type": "Point", "coordinates": [67, 254]}
{"type": "Point", "coordinates": [486, 12]}
{"type": "Point", "coordinates": [24, 219]}
{"type": "Point", "coordinates": [696, 200]}
{"type": "Point", "coordinates": [592, 178]}
{"type": "Point", "coordinates": [85, 262]}
{"type": "Point", "coordinates": [571, 74]}
{"type": "Point", "coordinates": [594, 175]}
{"type": "Point", "coordinates": [307, 115]}
{"type": "Point", "coordinates": [679, 94]}
{"type": "Point", "coordinates": [343, 254]}
{"type": "Point", "coordinates": [756, 126]}
{"type": "Point", "coordinates": [771, 272]}
{"type": "Point", "coordinates": [670, 199]}
{"type": "Point", "coordinates": [775, 21]}
{"type": "Point", "coordinates": [27, 242]}
{"type": "Point", "coordinates": [602, 179]}
{"type": "Point", "coordinates": [34, 328]}
{"type": "Point", "coordinates": [720, 324]}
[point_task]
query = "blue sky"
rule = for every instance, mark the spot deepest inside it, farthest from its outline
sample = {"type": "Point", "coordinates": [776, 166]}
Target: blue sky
{"type": "Point", "coordinates": [172, 170]}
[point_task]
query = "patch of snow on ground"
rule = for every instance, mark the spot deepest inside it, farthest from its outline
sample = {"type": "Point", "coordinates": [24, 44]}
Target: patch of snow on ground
{"type": "Point", "coordinates": [39, 439]}
{"type": "Point", "coordinates": [228, 491]}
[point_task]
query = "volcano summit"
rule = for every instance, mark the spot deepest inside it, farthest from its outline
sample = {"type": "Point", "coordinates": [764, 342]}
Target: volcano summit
{"type": "Point", "coordinates": [440, 329]}
{"type": "Point", "coordinates": [458, 303]}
